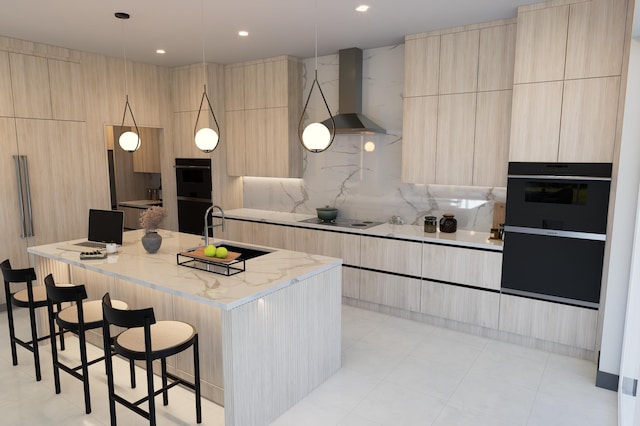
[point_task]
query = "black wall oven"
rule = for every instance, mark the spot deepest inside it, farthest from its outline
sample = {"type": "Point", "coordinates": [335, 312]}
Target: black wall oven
{"type": "Point", "coordinates": [193, 190]}
{"type": "Point", "coordinates": [555, 231]}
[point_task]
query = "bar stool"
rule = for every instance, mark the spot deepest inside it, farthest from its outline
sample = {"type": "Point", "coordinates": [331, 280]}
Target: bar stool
{"type": "Point", "coordinates": [83, 315]}
{"type": "Point", "coordinates": [147, 339]}
{"type": "Point", "coordinates": [32, 297]}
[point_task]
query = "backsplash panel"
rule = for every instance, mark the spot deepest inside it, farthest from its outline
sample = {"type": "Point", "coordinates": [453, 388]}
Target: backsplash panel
{"type": "Point", "coordinates": [367, 185]}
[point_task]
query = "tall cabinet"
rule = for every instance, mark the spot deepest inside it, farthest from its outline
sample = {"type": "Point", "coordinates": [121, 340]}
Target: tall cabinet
{"type": "Point", "coordinates": [457, 105]}
{"type": "Point", "coordinates": [263, 104]}
{"type": "Point", "coordinates": [567, 81]}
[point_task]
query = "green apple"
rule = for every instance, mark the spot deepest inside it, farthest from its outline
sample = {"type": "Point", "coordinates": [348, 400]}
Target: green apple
{"type": "Point", "coordinates": [221, 252]}
{"type": "Point", "coordinates": [210, 250]}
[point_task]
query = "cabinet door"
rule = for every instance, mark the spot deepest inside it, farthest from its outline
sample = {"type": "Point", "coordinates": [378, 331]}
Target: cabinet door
{"type": "Point", "coordinates": [383, 254]}
{"type": "Point", "coordinates": [131, 217]}
{"type": "Point", "coordinates": [535, 121]}
{"type": "Point", "coordinates": [477, 268]}
{"type": "Point", "coordinates": [459, 62]}
{"type": "Point", "coordinates": [588, 128]}
{"type": "Point", "coordinates": [275, 82]}
{"type": "Point", "coordinates": [147, 158]}
{"type": "Point", "coordinates": [6, 99]}
{"type": "Point", "coordinates": [541, 43]}
{"type": "Point", "coordinates": [255, 91]}
{"type": "Point", "coordinates": [595, 38]}
{"type": "Point", "coordinates": [269, 235]}
{"type": "Point", "coordinates": [456, 127]}
{"type": "Point", "coordinates": [30, 86]}
{"type": "Point", "coordinates": [421, 66]}
{"type": "Point", "coordinates": [267, 142]}
{"type": "Point", "coordinates": [67, 96]}
{"type": "Point", "coordinates": [491, 148]}
{"type": "Point", "coordinates": [334, 244]}
{"type": "Point", "coordinates": [236, 143]}
{"type": "Point", "coordinates": [351, 282]}
{"type": "Point", "coordinates": [234, 87]}
{"type": "Point", "coordinates": [419, 128]}
{"type": "Point", "coordinates": [460, 304]}
{"type": "Point", "coordinates": [496, 57]}
{"type": "Point", "coordinates": [187, 85]}
{"type": "Point", "coordinates": [568, 325]}
{"type": "Point", "coordinates": [390, 290]}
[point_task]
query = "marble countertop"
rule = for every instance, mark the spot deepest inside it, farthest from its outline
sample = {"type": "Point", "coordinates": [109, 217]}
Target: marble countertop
{"type": "Point", "coordinates": [140, 204]}
{"type": "Point", "coordinates": [461, 237]}
{"type": "Point", "coordinates": [263, 275]}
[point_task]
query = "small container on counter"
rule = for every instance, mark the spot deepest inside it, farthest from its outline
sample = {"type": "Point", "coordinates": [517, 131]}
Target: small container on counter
{"type": "Point", "coordinates": [430, 224]}
{"type": "Point", "coordinates": [448, 223]}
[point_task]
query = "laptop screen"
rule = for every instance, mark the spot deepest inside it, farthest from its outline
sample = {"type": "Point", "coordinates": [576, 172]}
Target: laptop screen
{"type": "Point", "coordinates": [106, 226]}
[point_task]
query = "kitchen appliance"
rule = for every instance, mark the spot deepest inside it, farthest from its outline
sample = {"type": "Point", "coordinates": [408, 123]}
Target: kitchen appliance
{"type": "Point", "coordinates": [555, 231]}
{"type": "Point", "coordinates": [193, 190]}
{"type": "Point", "coordinates": [342, 222]}
{"type": "Point", "coordinates": [350, 119]}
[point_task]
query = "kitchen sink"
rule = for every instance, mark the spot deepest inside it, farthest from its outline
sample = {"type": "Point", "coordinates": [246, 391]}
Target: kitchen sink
{"type": "Point", "coordinates": [246, 253]}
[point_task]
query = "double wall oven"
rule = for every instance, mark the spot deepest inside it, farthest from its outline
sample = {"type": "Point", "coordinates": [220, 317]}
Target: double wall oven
{"type": "Point", "coordinates": [193, 190]}
{"type": "Point", "coordinates": [555, 231]}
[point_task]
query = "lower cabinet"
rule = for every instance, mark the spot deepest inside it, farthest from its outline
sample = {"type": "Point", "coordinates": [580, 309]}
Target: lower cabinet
{"type": "Point", "coordinates": [390, 290]}
{"type": "Point", "coordinates": [263, 234]}
{"type": "Point", "coordinates": [554, 322]}
{"type": "Point", "coordinates": [462, 304]}
{"type": "Point", "coordinates": [333, 244]}
{"type": "Point", "coordinates": [477, 268]}
{"type": "Point", "coordinates": [131, 217]}
{"type": "Point", "coordinates": [351, 282]}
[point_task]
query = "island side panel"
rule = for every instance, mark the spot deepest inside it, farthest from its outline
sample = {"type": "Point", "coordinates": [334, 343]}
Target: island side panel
{"type": "Point", "coordinates": [278, 348]}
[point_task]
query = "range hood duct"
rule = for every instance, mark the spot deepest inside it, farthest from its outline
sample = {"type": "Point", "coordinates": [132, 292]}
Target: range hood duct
{"type": "Point", "coordinates": [350, 119]}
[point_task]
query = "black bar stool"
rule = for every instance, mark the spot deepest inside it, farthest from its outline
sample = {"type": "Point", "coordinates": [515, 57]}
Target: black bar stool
{"type": "Point", "coordinates": [32, 297]}
{"type": "Point", "coordinates": [147, 339]}
{"type": "Point", "coordinates": [83, 315]}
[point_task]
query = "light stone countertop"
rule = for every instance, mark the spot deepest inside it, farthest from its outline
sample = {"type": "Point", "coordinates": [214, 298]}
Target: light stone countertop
{"type": "Point", "coordinates": [263, 275]}
{"type": "Point", "coordinates": [463, 238]}
{"type": "Point", "coordinates": [140, 204]}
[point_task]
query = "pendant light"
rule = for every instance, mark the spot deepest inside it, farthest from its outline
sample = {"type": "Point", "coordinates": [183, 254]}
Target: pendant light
{"type": "Point", "coordinates": [206, 138]}
{"type": "Point", "coordinates": [129, 141]}
{"type": "Point", "coordinates": [316, 137]}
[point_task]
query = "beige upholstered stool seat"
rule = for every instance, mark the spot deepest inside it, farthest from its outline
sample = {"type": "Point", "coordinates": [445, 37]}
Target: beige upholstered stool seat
{"type": "Point", "coordinates": [164, 335]}
{"type": "Point", "coordinates": [92, 312]}
{"type": "Point", "coordinates": [39, 294]}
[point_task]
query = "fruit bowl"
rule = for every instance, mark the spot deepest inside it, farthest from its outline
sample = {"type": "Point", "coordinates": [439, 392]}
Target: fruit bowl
{"type": "Point", "coordinates": [327, 213]}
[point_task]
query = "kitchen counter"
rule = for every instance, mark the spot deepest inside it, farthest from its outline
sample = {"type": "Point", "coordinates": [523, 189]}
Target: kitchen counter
{"type": "Point", "coordinates": [284, 308]}
{"type": "Point", "coordinates": [461, 237]}
{"type": "Point", "coordinates": [140, 204]}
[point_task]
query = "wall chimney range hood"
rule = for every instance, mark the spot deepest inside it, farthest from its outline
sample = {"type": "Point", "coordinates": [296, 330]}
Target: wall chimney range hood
{"type": "Point", "coordinates": [350, 119]}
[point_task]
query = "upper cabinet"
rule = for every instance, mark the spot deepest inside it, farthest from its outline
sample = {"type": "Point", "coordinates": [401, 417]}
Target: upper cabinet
{"type": "Point", "coordinates": [6, 99]}
{"type": "Point", "coordinates": [263, 104]}
{"type": "Point", "coordinates": [147, 158]}
{"type": "Point", "coordinates": [67, 97]}
{"type": "Point", "coordinates": [457, 105]}
{"type": "Point", "coordinates": [30, 84]}
{"type": "Point", "coordinates": [567, 81]}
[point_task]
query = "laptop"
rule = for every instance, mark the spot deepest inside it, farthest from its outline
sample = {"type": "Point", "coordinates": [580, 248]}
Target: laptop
{"type": "Point", "coordinates": [105, 226]}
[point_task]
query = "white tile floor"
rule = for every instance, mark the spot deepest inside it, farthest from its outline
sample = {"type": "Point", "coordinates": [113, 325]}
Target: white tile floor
{"type": "Point", "coordinates": [395, 372]}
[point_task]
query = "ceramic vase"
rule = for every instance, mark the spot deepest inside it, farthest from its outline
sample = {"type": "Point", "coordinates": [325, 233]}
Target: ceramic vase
{"type": "Point", "coordinates": [151, 241]}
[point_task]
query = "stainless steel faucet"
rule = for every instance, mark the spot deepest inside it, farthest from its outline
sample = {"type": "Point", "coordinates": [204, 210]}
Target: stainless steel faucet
{"type": "Point", "coordinates": [206, 223]}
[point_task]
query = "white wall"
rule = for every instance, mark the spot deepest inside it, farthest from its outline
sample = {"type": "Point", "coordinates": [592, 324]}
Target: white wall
{"type": "Point", "coordinates": [622, 222]}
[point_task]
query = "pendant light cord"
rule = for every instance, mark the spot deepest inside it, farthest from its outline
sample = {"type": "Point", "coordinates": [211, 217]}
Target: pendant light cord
{"type": "Point", "coordinates": [124, 54]}
{"type": "Point", "coordinates": [204, 74]}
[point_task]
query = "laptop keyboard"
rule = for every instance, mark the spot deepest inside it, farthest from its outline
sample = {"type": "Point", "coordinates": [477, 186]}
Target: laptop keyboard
{"type": "Point", "coordinates": [91, 244]}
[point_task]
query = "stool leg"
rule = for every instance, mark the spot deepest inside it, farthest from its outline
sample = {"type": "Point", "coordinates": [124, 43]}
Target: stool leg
{"type": "Point", "coordinates": [132, 373]}
{"type": "Point", "coordinates": [12, 333]}
{"type": "Point", "coordinates": [196, 376]}
{"type": "Point", "coordinates": [34, 338]}
{"type": "Point", "coordinates": [61, 333]}
{"type": "Point", "coordinates": [152, 403]}
{"type": "Point", "coordinates": [165, 392]}
{"type": "Point", "coordinates": [54, 349]}
{"type": "Point", "coordinates": [85, 369]}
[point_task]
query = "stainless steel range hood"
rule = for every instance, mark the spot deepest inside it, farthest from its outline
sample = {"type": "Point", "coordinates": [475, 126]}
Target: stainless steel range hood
{"type": "Point", "coordinates": [350, 119]}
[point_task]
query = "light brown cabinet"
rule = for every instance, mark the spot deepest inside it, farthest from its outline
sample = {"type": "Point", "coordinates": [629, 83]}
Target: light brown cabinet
{"type": "Point", "coordinates": [459, 135]}
{"type": "Point", "coordinates": [30, 86]}
{"type": "Point", "coordinates": [333, 244]}
{"type": "Point", "coordinates": [67, 97]}
{"type": "Point", "coordinates": [263, 105]}
{"type": "Point", "coordinates": [147, 158]}
{"type": "Point", "coordinates": [476, 268]}
{"type": "Point", "coordinates": [390, 290]}
{"type": "Point", "coordinates": [541, 44]}
{"type": "Point", "coordinates": [385, 254]}
{"type": "Point", "coordinates": [6, 98]}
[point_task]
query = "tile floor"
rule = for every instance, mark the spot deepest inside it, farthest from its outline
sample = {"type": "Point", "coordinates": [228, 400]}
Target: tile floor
{"type": "Point", "coordinates": [395, 372]}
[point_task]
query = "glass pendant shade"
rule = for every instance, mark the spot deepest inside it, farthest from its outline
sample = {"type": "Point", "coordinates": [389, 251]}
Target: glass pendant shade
{"type": "Point", "coordinates": [206, 139]}
{"type": "Point", "coordinates": [129, 141]}
{"type": "Point", "coordinates": [316, 137]}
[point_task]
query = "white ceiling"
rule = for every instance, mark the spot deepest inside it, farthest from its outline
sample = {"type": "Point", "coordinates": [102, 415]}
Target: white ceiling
{"type": "Point", "coordinates": [276, 27]}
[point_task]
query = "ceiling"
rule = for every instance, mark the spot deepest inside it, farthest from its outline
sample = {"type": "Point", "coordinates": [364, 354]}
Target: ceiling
{"type": "Point", "coordinates": [276, 27]}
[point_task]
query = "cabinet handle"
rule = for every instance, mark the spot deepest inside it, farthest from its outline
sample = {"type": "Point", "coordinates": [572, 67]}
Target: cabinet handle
{"type": "Point", "coordinates": [25, 168]}
{"type": "Point", "coordinates": [23, 225]}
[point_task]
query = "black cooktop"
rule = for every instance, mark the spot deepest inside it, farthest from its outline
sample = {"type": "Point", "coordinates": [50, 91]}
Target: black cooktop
{"type": "Point", "coordinates": [345, 223]}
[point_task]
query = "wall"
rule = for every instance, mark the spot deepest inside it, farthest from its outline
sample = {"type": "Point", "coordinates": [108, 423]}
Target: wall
{"type": "Point", "coordinates": [367, 185]}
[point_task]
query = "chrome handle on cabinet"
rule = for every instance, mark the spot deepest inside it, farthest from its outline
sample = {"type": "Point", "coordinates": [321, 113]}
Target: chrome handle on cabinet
{"type": "Point", "coordinates": [23, 225]}
{"type": "Point", "coordinates": [30, 232]}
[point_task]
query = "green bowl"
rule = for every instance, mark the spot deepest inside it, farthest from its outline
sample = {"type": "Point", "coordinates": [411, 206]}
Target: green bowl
{"type": "Point", "coordinates": [327, 214]}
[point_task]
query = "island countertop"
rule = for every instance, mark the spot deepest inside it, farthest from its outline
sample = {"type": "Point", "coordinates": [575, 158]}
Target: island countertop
{"type": "Point", "coordinates": [263, 275]}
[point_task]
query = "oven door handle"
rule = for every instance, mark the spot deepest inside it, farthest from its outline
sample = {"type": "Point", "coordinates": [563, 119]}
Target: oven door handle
{"type": "Point", "coordinates": [192, 167]}
{"type": "Point", "coordinates": [555, 233]}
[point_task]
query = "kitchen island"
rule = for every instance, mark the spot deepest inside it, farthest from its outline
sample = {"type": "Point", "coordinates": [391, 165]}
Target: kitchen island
{"type": "Point", "coordinates": [268, 335]}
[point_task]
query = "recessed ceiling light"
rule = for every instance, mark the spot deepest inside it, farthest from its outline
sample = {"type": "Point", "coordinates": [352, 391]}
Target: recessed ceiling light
{"type": "Point", "coordinates": [243, 33]}
{"type": "Point", "coordinates": [362, 8]}
{"type": "Point", "coordinates": [161, 51]}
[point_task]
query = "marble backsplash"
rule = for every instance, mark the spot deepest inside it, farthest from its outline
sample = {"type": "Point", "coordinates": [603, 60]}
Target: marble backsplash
{"type": "Point", "coordinates": [366, 185]}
